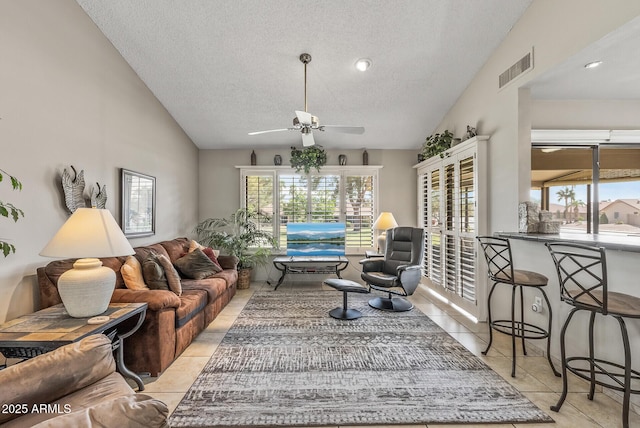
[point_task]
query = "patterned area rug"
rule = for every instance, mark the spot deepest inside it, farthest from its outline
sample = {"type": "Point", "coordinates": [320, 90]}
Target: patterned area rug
{"type": "Point", "coordinates": [285, 362]}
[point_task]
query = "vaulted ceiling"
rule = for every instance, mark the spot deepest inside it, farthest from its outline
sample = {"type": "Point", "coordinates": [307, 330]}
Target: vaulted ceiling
{"type": "Point", "coordinates": [224, 68]}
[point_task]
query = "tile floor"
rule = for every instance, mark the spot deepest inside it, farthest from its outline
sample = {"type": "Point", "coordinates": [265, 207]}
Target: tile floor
{"type": "Point", "coordinates": [533, 374]}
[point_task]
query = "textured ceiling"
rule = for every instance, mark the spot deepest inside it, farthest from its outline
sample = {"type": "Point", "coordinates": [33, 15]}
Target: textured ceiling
{"type": "Point", "coordinates": [223, 68]}
{"type": "Point", "coordinates": [617, 78]}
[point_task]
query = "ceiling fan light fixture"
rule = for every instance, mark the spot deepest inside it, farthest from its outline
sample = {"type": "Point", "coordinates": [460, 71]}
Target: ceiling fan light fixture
{"type": "Point", "coordinates": [363, 64]}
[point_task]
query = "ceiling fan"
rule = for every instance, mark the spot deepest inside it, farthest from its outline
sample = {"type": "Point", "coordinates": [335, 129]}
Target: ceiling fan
{"type": "Point", "coordinates": [306, 123]}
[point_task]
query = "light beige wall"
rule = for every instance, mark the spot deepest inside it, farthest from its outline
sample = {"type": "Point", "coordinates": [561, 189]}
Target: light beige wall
{"type": "Point", "coordinates": [68, 98]}
{"type": "Point", "coordinates": [220, 180]}
{"type": "Point", "coordinates": [556, 31]}
{"type": "Point", "coordinates": [585, 114]}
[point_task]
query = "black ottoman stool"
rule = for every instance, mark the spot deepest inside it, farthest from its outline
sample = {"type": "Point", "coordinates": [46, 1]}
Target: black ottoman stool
{"type": "Point", "coordinates": [345, 286]}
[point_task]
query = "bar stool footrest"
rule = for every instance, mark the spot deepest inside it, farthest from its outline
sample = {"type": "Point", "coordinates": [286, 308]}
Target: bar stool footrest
{"type": "Point", "coordinates": [618, 377]}
{"type": "Point", "coordinates": [522, 330]}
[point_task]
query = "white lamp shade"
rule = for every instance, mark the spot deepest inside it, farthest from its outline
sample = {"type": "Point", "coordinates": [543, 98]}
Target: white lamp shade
{"type": "Point", "coordinates": [89, 232]}
{"type": "Point", "coordinates": [385, 221]}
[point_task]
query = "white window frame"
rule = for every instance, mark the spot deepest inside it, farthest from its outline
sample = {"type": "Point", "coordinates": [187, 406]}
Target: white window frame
{"type": "Point", "coordinates": [342, 171]}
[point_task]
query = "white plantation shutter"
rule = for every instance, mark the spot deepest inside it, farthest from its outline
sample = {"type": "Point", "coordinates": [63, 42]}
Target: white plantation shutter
{"type": "Point", "coordinates": [334, 195]}
{"type": "Point", "coordinates": [257, 195]}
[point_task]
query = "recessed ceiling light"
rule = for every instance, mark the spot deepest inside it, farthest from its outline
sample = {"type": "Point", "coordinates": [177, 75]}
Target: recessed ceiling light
{"type": "Point", "coordinates": [593, 64]}
{"type": "Point", "coordinates": [363, 64]}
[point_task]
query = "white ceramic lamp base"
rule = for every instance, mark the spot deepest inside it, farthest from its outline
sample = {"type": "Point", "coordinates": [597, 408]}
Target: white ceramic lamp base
{"type": "Point", "coordinates": [382, 242]}
{"type": "Point", "coordinates": [86, 289]}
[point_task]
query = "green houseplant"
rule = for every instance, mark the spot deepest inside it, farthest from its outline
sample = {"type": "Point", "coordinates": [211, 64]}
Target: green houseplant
{"type": "Point", "coordinates": [310, 157]}
{"type": "Point", "coordinates": [7, 209]}
{"type": "Point", "coordinates": [239, 236]}
{"type": "Point", "coordinates": [436, 144]}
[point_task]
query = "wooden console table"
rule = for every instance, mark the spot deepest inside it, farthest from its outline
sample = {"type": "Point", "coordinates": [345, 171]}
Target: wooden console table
{"type": "Point", "coordinates": [43, 331]}
{"type": "Point", "coordinates": [310, 264]}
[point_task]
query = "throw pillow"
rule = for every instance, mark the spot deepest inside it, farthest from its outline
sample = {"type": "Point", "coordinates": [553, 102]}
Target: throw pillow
{"type": "Point", "coordinates": [209, 252]}
{"type": "Point", "coordinates": [196, 265]}
{"type": "Point", "coordinates": [131, 272]}
{"type": "Point", "coordinates": [195, 244]}
{"type": "Point", "coordinates": [153, 273]}
{"type": "Point", "coordinates": [173, 277]}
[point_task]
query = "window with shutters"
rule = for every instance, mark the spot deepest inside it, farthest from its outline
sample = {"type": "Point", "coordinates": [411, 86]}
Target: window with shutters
{"type": "Point", "coordinates": [333, 195]}
{"type": "Point", "coordinates": [450, 211]}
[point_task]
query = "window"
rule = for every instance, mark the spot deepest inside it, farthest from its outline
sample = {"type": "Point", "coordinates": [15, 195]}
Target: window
{"type": "Point", "coordinates": [333, 195]}
{"type": "Point", "coordinates": [567, 180]}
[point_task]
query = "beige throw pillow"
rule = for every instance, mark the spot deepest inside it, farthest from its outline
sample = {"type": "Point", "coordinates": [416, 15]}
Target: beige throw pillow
{"type": "Point", "coordinates": [195, 244]}
{"type": "Point", "coordinates": [131, 272]}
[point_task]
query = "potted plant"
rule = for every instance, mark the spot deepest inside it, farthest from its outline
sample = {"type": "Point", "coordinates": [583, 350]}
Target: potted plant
{"type": "Point", "coordinates": [239, 236]}
{"type": "Point", "coordinates": [436, 144]}
{"type": "Point", "coordinates": [7, 209]}
{"type": "Point", "coordinates": [310, 157]}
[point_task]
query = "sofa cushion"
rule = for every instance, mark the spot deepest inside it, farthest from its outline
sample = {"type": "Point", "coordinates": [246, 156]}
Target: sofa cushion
{"type": "Point", "coordinates": [131, 272]}
{"type": "Point", "coordinates": [46, 378]}
{"type": "Point", "coordinates": [176, 248]}
{"type": "Point", "coordinates": [214, 287]}
{"type": "Point", "coordinates": [196, 265]}
{"type": "Point", "coordinates": [191, 303]}
{"type": "Point", "coordinates": [229, 275]}
{"type": "Point", "coordinates": [130, 411]}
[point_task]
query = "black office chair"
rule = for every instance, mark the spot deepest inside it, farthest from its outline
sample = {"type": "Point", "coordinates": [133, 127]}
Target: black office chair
{"type": "Point", "coordinates": [399, 272]}
{"type": "Point", "coordinates": [497, 252]}
{"type": "Point", "coordinates": [582, 274]}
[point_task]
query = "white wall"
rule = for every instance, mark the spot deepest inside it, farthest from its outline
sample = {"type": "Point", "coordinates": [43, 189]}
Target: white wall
{"type": "Point", "coordinates": [585, 114]}
{"type": "Point", "coordinates": [556, 31]}
{"type": "Point", "coordinates": [68, 98]}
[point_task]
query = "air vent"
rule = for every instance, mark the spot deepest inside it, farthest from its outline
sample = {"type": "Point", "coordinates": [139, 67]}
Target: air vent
{"type": "Point", "coordinates": [524, 64]}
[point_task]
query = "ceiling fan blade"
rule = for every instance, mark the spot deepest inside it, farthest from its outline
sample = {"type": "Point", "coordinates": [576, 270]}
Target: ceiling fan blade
{"type": "Point", "coordinates": [271, 130]}
{"type": "Point", "coordinates": [344, 129]}
{"type": "Point", "coordinates": [303, 117]}
{"type": "Point", "coordinates": [307, 140]}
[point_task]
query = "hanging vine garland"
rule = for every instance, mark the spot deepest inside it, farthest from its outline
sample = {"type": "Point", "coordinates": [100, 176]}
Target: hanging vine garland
{"type": "Point", "coordinates": [310, 157]}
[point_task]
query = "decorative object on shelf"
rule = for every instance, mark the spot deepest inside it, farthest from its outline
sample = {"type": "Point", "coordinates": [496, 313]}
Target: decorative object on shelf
{"type": "Point", "coordinates": [73, 188]}
{"type": "Point", "coordinates": [531, 219]}
{"type": "Point", "coordinates": [342, 159]}
{"type": "Point", "coordinates": [310, 157]}
{"type": "Point", "coordinates": [138, 205]}
{"type": "Point", "coordinates": [471, 132]}
{"type": "Point", "coordinates": [89, 233]}
{"type": "Point", "coordinates": [277, 160]}
{"type": "Point", "coordinates": [455, 142]}
{"type": "Point", "coordinates": [99, 196]}
{"type": "Point", "coordinates": [365, 157]}
{"type": "Point", "coordinates": [384, 221]}
{"type": "Point", "coordinates": [8, 209]}
{"type": "Point", "coordinates": [240, 236]}
{"type": "Point", "coordinates": [436, 144]}
{"type": "Point", "coordinates": [253, 157]}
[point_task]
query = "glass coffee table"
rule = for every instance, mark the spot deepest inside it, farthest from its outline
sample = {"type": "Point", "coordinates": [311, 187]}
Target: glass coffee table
{"type": "Point", "coordinates": [33, 334]}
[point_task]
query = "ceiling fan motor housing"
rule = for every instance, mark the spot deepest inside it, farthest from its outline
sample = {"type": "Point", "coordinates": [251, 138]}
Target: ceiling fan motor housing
{"type": "Point", "coordinates": [314, 122]}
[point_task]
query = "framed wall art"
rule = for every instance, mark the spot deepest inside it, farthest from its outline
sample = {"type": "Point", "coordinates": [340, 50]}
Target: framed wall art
{"type": "Point", "coordinates": [138, 207]}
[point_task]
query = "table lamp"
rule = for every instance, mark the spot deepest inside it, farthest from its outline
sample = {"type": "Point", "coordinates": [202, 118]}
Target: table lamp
{"type": "Point", "coordinates": [384, 221]}
{"type": "Point", "coordinates": [86, 289]}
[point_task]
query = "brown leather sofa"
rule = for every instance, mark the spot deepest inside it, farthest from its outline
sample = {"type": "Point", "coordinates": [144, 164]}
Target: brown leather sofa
{"type": "Point", "coordinates": [75, 386]}
{"type": "Point", "coordinates": [172, 321]}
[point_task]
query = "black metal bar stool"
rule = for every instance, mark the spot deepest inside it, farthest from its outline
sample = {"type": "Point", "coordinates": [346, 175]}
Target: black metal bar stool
{"type": "Point", "coordinates": [582, 274]}
{"type": "Point", "coordinates": [497, 252]}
